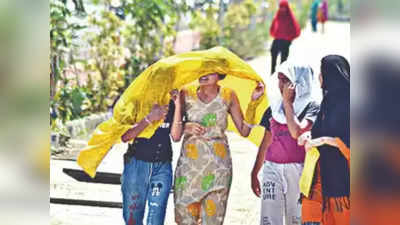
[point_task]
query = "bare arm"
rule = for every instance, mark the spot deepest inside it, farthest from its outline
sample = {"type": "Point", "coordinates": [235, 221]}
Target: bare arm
{"type": "Point", "coordinates": [237, 116]}
{"type": "Point", "coordinates": [296, 128]}
{"type": "Point", "coordinates": [134, 131]}
{"type": "Point", "coordinates": [261, 152]}
{"type": "Point", "coordinates": [194, 128]}
{"type": "Point", "coordinates": [255, 183]}
{"type": "Point", "coordinates": [332, 141]}
{"type": "Point", "coordinates": [157, 113]}
{"type": "Point", "coordinates": [176, 129]}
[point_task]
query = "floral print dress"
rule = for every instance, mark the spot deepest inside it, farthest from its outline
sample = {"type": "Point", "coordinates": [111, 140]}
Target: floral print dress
{"type": "Point", "coordinates": [204, 171]}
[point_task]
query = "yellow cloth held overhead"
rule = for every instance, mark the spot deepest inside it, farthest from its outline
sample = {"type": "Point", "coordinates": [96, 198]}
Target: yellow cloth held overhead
{"type": "Point", "coordinates": [153, 85]}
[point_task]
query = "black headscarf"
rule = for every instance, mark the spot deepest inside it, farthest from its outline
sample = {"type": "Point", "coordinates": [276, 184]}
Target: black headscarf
{"type": "Point", "coordinates": [334, 121]}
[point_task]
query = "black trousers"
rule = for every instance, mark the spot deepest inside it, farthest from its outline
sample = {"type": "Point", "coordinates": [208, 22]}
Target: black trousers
{"type": "Point", "coordinates": [279, 46]}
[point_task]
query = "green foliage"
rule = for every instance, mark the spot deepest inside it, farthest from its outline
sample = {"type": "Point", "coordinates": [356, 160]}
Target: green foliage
{"type": "Point", "coordinates": [250, 43]}
{"type": "Point", "coordinates": [210, 30]}
{"type": "Point", "coordinates": [61, 35]}
{"type": "Point", "coordinates": [70, 103]}
{"type": "Point", "coordinates": [301, 11]}
{"type": "Point", "coordinates": [108, 56]}
{"type": "Point", "coordinates": [238, 17]}
{"type": "Point", "coordinates": [66, 102]}
{"type": "Point", "coordinates": [151, 22]}
{"type": "Point", "coordinates": [339, 8]}
{"type": "Point", "coordinates": [240, 36]}
{"type": "Point", "coordinates": [239, 31]}
{"type": "Point", "coordinates": [148, 25]}
{"type": "Point", "coordinates": [118, 50]}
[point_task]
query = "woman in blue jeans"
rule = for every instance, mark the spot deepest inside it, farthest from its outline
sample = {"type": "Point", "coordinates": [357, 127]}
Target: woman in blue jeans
{"type": "Point", "coordinates": [147, 175]}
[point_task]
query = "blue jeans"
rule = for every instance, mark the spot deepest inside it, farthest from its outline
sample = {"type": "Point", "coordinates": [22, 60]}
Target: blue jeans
{"type": "Point", "coordinates": [141, 182]}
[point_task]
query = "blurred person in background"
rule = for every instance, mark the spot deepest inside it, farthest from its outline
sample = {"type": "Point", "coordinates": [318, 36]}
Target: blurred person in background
{"type": "Point", "coordinates": [292, 112]}
{"type": "Point", "coordinates": [323, 14]}
{"type": "Point", "coordinates": [314, 14]}
{"type": "Point", "coordinates": [147, 174]}
{"type": "Point", "coordinates": [284, 29]}
{"type": "Point", "coordinates": [329, 199]}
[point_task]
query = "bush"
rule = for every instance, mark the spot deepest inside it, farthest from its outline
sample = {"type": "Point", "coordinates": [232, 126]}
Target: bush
{"type": "Point", "coordinates": [240, 36]}
{"type": "Point", "coordinates": [338, 9]}
{"type": "Point", "coordinates": [239, 31]}
{"type": "Point", "coordinates": [70, 103]}
{"type": "Point", "coordinates": [302, 12]}
{"type": "Point", "coordinates": [108, 56]}
{"type": "Point", "coordinates": [114, 50]}
{"type": "Point", "coordinates": [149, 24]}
{"type": "Point", "coordinates": [210, 30]}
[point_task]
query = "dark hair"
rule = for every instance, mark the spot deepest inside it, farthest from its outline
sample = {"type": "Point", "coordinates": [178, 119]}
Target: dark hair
{"type": "Point", "coordinates": [221, 76]}
{"type": "Point", "coordinates": [335, 71]}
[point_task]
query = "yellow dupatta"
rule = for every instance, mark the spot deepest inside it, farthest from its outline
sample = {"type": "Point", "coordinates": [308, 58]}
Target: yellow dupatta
{"type": "Point", "coordinates": [153, 85]}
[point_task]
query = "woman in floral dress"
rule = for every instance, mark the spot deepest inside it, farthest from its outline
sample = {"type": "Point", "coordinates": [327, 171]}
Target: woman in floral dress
{"type": "Point", "coordinates": [204, 171]}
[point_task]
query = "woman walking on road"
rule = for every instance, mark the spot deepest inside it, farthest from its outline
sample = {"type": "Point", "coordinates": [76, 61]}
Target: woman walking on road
{"type": "Point", "coordinates": [314, 15]}
{"type": "Point", "coordinates": [284, 29]}
{"type": "Point", "coordinates": [323, 14]}
{"type": "Point", "coordinates": [204, 171]}
{"type": "Point", "coordinates": [328, 202]}
{"type": "Point", "coordinates": [292, 112]}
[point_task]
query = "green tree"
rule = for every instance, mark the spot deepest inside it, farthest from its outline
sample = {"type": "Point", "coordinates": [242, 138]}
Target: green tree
{"type": "Point", "coordinates": [62, 32]}
{"type": "Point", "coordinates": [107, 58]}
{"type": "Point", "coordinates": [151, 25]}
{"type": "Point", "coordinates": [242, 34]}
{"type": "Point", "coordinates": [207, 24]}
{"type": "Point", "coordinates": [241, 29]}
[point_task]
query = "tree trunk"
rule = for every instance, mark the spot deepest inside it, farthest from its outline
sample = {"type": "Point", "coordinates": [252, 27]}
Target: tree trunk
{"type": "Point", "coordinates": [221, 13]}
{"type": "Point", "coordinates": [160, 52]}
{"type": "Point", "coordinates": [53, 79]}
{"type": "Point", "coordinates": [220, 18]}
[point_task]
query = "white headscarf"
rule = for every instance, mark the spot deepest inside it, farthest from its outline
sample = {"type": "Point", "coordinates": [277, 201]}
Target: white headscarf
{"type": "Point", "coordinates": [307, 89]}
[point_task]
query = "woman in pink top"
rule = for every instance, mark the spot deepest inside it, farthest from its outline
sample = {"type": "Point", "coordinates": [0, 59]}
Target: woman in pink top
{"type": "Point", "coordinates": [292, 111]}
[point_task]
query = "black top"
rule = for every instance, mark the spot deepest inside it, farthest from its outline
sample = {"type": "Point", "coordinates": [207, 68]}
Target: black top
{"type": "Point", "coordinates": [158, 147]}
{"type": "Point", "coordinates": [309, 113]}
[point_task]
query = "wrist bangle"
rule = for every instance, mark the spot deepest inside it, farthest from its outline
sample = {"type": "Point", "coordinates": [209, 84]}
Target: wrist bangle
{"type": "Point", "coordinates": [147, 120]}
{"type": "Point", "coordinates": [247, 124]}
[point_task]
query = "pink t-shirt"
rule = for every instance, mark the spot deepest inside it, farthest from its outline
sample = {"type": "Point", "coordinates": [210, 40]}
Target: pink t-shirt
{"type": "Point", "coordinates": [284, 148]}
